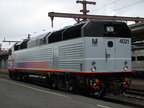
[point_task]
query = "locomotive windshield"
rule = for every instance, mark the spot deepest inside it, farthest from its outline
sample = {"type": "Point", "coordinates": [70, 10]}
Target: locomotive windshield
{"type": "Point", "coordinates": [117, 30]}
{"type": "Point", "coordinates": [98, 28]}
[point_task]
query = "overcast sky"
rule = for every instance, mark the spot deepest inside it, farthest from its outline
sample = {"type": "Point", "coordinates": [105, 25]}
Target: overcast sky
{"type": "Point", "coordinates": [18, 18]}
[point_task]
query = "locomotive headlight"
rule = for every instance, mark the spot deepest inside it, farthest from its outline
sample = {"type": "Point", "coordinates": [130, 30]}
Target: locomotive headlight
{"type": "Point", "coordinates": [93, 68]}
{"type": "Point", "coordinates": [125, 68]}
{"type": "Point", "coordinates": [110, 29]}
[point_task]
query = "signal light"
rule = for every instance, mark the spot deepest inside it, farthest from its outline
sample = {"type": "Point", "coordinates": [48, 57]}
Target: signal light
{"type": "Point", "coordinates": [126, 79]}
{"type": "Point", "coordinates": [97, 80]}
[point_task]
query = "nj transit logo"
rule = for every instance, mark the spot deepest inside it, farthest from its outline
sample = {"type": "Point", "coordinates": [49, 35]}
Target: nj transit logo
{"type": "Point", "coordinates": [94, 42]}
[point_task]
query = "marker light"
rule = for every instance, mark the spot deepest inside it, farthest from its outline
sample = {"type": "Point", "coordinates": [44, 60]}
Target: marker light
{"type": "Point", "coordinates": [125, 63]}
{"type": "Point", "coordinates": [93, 63]}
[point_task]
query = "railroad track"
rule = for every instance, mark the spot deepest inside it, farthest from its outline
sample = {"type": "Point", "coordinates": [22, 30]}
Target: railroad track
{"type": "Point", "coordinates": [132, 97]}
{"type": "Point", "coordinates": [4, 75]}
{"type": "Point", "coordinates": [139, 94]}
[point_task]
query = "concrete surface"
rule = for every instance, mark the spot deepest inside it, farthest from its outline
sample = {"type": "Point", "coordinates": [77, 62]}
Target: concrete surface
{"type": "Point", "coordinates": [14, 94]}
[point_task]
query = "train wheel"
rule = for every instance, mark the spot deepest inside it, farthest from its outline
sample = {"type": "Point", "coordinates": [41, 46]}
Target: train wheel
{"type": "Point", "coordinates": [11, 75]}
{"type": "Point", "coordinates": [102, 93]}
{"type": "Point", "coordinates": [54, 85]}
{"type": "Point", "coordinates": [72, 88]}
{"type": "Point", "coordinates": [26, 78]}
{"type": "Point", "coordinates": [18, 76]}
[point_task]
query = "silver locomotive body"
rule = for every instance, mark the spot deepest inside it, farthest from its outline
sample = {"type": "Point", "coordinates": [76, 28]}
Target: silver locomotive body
{"type": "Point", "coordinates": [95, 55]}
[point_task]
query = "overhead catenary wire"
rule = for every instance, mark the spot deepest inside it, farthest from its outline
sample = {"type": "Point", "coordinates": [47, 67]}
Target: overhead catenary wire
{"type": "Point", "coordinates": [105, 6]}
{"type": "Point", "coordinates": [125, 6]}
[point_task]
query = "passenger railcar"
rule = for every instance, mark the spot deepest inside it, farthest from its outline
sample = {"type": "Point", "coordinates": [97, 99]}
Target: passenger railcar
{"type": "Point", "coordinates": [138, 60]}
{"type": "Point", "coordinates": [94, 56]}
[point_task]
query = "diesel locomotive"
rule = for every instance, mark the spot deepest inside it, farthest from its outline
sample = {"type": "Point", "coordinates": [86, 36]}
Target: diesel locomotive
{"type": "Point", "coordinates": [93, 56]}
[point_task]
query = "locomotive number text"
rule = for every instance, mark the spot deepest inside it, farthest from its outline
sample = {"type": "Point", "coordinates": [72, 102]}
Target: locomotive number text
{"type": "Point", "coordinates": [124, 41]}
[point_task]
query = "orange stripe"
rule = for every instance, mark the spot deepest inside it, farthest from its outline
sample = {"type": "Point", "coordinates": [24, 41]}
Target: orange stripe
{"type": "Point", "coordinates": [72, 71]}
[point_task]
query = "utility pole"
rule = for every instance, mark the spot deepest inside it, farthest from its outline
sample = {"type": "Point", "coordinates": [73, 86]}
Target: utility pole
{"type": "Point", "coordinates": [0, 47]}
{"type": "Point", "coordinates": [84, 3]}
{"type": "Point", "coordinates": [84, 10]}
